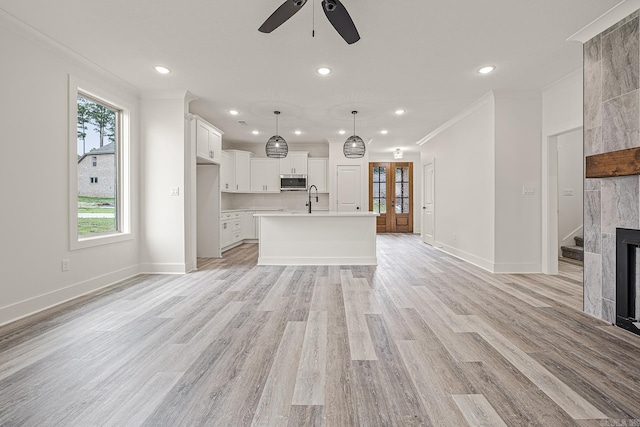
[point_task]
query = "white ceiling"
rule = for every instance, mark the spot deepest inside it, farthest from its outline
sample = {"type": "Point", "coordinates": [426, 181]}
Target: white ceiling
{"type": "Point", "coordinates": [418, 55]}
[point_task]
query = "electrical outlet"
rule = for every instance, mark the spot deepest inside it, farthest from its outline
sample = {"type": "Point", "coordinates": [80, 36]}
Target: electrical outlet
{"type": "Point", "coordinates": [528, 191]}
{"type": "Point", "coordinates": [174, 191]}
{"type": "Point", "coordinates": [66, 265]}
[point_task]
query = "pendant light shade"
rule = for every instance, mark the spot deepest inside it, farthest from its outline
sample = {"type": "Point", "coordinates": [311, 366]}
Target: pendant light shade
{"type": "Point", "coordinates": [354, 147]}
{"type": "Point", "coordinates": [277, 147]}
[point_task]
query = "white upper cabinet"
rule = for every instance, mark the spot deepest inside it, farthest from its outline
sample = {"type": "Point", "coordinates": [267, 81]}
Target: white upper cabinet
{"type": "Point", "coordinates": [294, 163]}
{"type": "Point", "coordinates": [227, 172]}
{"type": "Point", "coordinates": [208, 141]}
{"type": "Point", "coordinates": [236, 171]}
{"type": "Point", "coordinates": [317, 174]}
{"type": "Point", "coordinates": [265, 176]}
{"type": "Point", "coordinates": [243, 171]}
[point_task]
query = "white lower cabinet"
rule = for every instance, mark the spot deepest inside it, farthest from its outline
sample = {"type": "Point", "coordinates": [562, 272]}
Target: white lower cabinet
{"type": "Point", "coordinates": [230, 229]}
{"type": "Point", "coordinates": [249, 226]}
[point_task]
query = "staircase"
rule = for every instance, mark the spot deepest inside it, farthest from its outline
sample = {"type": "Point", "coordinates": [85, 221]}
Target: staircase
{"type": "Point", "coordinates": [574, 252]}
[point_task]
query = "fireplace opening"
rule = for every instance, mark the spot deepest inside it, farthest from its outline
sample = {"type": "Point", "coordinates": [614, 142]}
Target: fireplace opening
{"type": "Point", "coordinates": [627, 279]}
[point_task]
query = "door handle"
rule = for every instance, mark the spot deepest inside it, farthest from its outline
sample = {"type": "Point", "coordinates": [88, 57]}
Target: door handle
{"type": "Point", "coordinates": [358, 207]}
{"type": "Point", "coordinates": [424, 207]}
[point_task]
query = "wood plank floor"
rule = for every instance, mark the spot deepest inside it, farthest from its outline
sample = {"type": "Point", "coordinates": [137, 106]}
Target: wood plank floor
{"type": "Point", "coordinates": [421, 339]}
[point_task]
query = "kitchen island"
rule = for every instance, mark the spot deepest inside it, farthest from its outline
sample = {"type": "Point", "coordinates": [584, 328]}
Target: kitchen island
{"type": "Point", "coordinates": [318, 238]}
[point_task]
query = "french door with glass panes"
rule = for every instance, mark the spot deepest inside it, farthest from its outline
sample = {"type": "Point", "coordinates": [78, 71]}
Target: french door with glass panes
{"type": "Point", "coordinates": [391, 195]}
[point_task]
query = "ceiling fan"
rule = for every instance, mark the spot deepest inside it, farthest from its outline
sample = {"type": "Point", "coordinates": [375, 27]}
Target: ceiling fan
{"type": "Point", "coordinates": [333, 9]}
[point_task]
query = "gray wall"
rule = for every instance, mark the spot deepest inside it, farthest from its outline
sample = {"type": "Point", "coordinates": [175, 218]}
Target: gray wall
{"type": "Point", "coordinates": [611, 119]}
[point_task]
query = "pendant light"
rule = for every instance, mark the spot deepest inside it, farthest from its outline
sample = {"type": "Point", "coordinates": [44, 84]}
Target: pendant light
{"type": "Point", "coordinates": [277, 147]}
{"type": "Point", "coordinates": [354, 147]}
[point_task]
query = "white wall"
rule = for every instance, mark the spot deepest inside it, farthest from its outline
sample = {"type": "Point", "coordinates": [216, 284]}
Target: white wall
{"type": "Point", "coordinates": [517, 165]}
{"type": "Point", "coordinates": [163, 166]}
{"type": "Point", "coordinates": [34, 171]}
{"type": "Point", "coordinates": [570, 177]}
{"type": "Point", "coordinates": [464, 183]}
{"type": "Point", "coordinates": [561, 112]}
{"type": "Point", "coordinates": [417, 182]}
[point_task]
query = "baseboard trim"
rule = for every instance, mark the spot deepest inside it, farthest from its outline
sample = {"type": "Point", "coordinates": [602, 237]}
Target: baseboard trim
{"type": "Point", "coordinates": [163, 268]}
{"type": "Point", "coordinates": [31, 306]}
{"type": "Point", "coordinates": [465, 256]}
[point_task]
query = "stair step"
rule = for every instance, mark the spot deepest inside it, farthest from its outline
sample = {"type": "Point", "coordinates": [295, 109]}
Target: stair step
{"type": "Point", "coordinates": [573, 252]}
{"type": "Point", "coordinates": [579, 241]}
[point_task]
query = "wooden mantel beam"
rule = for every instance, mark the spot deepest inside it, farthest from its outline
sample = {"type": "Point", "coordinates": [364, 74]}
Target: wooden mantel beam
{"type": "Point", "coordinates": [615, 163]}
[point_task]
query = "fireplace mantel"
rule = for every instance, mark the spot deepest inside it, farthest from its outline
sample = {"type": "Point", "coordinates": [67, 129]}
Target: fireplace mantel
{"type": "Point", "coordinates": [615, 163]}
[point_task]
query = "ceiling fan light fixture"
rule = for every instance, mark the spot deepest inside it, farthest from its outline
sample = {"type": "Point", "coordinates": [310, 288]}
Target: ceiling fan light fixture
{"type": "Point", "coordinates": [276, 147]}
{"type": "Point", "coordinates": [354, 147]}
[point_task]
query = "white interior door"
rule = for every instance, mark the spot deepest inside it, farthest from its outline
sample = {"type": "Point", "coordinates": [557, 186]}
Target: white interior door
{"type": "Point", "coordinates": [428, 203]}
{"type": "Point", "coordinates": [349, 197]}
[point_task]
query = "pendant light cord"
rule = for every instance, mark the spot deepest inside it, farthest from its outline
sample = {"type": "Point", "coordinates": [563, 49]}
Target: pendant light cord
{"type": "Point", "coordinates": [354, 122]}
{"type": "Point", "coordinates": [313, 22]}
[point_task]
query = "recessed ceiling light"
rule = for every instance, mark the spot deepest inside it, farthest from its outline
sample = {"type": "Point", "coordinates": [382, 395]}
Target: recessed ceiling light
{"type": "Point", "coordinates": [384, 131]}
{"type": "Point", "coordinates": [298, 132]}
{"type": "Point", "coordinates": [324, 71]}
{"type": "Point", "coordinates": [342, 132]}
{"type": "Point", "coordinates": [255, 132]}
{"type": "Point", "coordinates": [400, 112]}
{"type": "Point", "coordinates": [487, 69]}
{"type": "Point", "coordinates": [233, 112]}
{"type": "Point", "coordinates": [161, 69]}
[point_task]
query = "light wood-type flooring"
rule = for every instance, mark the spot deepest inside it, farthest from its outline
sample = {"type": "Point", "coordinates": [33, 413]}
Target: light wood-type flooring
{"type": "Point", "coordinates": [421, 339]}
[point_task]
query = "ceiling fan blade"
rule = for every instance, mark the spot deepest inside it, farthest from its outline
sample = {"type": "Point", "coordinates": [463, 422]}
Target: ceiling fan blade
{"type": "Point", "coordinates": [341, 21]}
{"type": "Point", "coordinates": [280, 16]}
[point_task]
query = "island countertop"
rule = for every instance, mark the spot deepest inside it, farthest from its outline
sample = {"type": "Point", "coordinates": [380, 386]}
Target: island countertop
{"type": "Point", "coordinates": [319, 238]}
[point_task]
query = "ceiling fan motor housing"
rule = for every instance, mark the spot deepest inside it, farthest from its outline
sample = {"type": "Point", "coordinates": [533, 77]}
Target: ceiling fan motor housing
{"type": "Point", "coordinates": [330, 5]}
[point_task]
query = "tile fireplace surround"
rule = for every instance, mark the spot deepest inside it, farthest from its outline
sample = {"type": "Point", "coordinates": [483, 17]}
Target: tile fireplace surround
{"type": "Point", "coordinates": [611, 122]}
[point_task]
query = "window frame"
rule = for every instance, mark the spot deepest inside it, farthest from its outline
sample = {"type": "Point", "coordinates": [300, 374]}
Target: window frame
{"type": "Point", "coordinates": [123, 159]}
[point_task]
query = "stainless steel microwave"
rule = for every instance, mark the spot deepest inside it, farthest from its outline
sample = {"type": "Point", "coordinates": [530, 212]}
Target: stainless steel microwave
{"type": "Point", "coordinates": [293, 182]}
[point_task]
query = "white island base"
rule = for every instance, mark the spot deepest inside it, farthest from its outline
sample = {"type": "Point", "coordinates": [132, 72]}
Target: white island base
{"type": "Point", "coordinates": [319, 238]}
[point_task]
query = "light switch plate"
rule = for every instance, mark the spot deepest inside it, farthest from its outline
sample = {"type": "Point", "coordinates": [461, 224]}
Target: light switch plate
{"type": "Point", "coordinates": [528, 191]}
{"type": "Point", "coordinates": [174, 191]}
{"type": "Point", "coordinates": [568, 192]}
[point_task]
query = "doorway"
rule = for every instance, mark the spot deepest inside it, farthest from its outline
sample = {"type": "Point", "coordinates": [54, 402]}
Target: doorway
{"type": "Point", "coordinates": [348, 188]}
{"type": "Point", "coordinates": [391, 195]}
{"type": "Point", "coordinates": [428, 202]}
{"type": "Point", "coordinates": [550, 197]}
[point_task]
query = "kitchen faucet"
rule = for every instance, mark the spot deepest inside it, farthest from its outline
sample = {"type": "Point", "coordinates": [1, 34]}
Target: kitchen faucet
{"type": "Point", "coordinates": [309, 191]}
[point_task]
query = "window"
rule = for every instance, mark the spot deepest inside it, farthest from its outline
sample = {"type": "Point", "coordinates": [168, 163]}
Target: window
{"type": "Point", "coordinates": [402, 189]}
{"type": "Point", "coordinates": [380, 189]}
{"type": "Point", "coordinates": [99, 204]}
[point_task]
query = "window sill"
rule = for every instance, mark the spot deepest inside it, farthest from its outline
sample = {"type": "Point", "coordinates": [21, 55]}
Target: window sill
{"type": "Point", "coordinates": [105, 239]}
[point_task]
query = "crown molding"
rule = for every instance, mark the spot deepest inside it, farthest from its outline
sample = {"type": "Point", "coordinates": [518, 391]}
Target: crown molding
{"type": "Point", "coordinates": [484, 100]}
{"type": "Point", "coordinates": [606, 20]}
{"type": "Point", "coordinates": [568, 80]}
